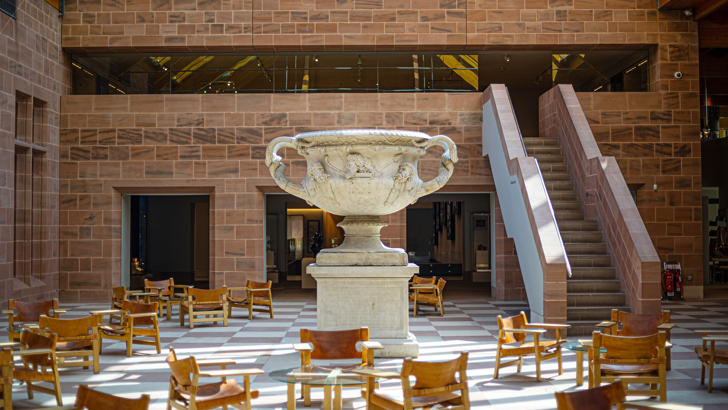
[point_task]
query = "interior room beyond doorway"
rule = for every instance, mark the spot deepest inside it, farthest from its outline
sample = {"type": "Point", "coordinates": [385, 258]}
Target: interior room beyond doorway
{"type": "Point", "coordinates": [169, 237]}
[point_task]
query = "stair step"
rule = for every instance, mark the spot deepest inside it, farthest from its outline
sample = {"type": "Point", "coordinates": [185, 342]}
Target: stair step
{"type": "Point", "coordinates": [581, 236]}
{"type": "Point", "coordinates": [592, 313]}
{"type": "Point", "coordinates": [599, 273]}
{"type": "Point", "coordinates": [575, 249]}
{"type": "Point", "coordinates": [556, 176]}
{"type": "Point", "coordinates": [566, 205]}
{"type": "Point", "coordinates": [593, 286]}
{"type": "Point", "coordinates": [550, 158]}
{"type": "Point", "coordinates": [547, 167]}
{"type": "Point", "coordinates": [576, 225]}
{"type": "Point", "coordinates": [543, 149]}
{"type": "Point", "coordinates": [559, 185]}
{"type": "Point", "coordinates": [533, 141]}
{"type": "Point", "coordinates": [569, 216]}
{"type": "Point", "coordinates": [590, 261]}
{"type": "Point", "coordinates": [563, 196]}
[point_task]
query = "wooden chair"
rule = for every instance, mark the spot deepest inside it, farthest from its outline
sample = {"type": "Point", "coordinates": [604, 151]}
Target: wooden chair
{"type": "Point", "coordinates": [185, 392]}
{"type": "Point", "coordinates": [604, 397]}
{"type": "Point", "coordinates": [709, 356]}
{"type": "Point", "coordinates": [634, 324]}
{"type": "Point", "coordinates": [39, 364]}
{"type": "Point", "coordinates": [28, 312]}
{"type": "Point", "coordinates": [138, 323]}
{"type": "Point", "coordinates": [442, 384]}
{"type": "Point", "coordinates": [118, 296]}
{"type": "Point", "coordinates": [77, 338]}
{"type": "Point", "coordinates": [201, 302]}
{"type": "Point", "coordinates": [334, 345]}
{"type": "Point", "coordinates": [258, 293]}
{"type": "Point", "coordinates": [416, 280]}
{"type": "Point", "coordinates": [432, 299]}
{"type": "Point", "coordinates": [512, 332]}
{"type": "Point", "coordinates": [89, 399]}
{"type": "Point", "coordinates": [168, 295]}
{"type": "Point", "coordinates": [6, 378]}
{"type": "Point", "coordinates": [633, 359]}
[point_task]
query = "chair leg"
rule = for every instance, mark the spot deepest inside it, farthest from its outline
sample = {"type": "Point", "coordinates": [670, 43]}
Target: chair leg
{"type": "Point", "coordinates": [663, 385]}
{"type": "Point", "coordinates": [29, 389]}
{"type": "Point", "coordinates": [702, 372]}
{"type": "Point", "coordinates": [57, 386]}
{"type": "Point", "coordinates": [97, 352]}
{"type": "Point", "coordinates": [169, 310]}
{"type": "Point", "coordinates": [128, 345]}
{"type": "Point", "coordinates": [497, 365]}
{"type": "Point", "coordinates": [668, 354]}
{"type": "Point", "coordinates": [520, 363]}
{"type": "Point", "coordinates": [271, 309]}
{"type": "Point", "coordinates": [306, 395]}
{"type": "Point", "coordinates": [710, 378]}
{"type": "Point", "coordinates": [170, 396]}
{"type": "Point", "coordinates": [538, 365]}
{"type": "Point", "coordinates": [250, 310]}
{"type": "Point", "coordinates": [561, 362]}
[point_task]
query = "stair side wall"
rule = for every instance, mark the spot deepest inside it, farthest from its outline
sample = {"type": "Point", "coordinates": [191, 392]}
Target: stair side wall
{"type": "Point", "coordinates": [606, 197]}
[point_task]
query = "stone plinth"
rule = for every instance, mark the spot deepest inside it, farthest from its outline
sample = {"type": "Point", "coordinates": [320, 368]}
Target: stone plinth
{"type": "Point", "coordinates": [349, 297]}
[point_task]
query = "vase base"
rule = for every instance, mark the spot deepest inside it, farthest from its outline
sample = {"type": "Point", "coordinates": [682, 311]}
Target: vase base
{"type": "Point", "coordinates": [391, 257]}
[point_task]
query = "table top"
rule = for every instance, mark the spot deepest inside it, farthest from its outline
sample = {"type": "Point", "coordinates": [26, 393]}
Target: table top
{"type": "Point", "coordinates": [318, 375]}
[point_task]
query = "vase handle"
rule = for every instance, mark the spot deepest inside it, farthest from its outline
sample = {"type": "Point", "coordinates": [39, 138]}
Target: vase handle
{"type": "Point", "coordinates": [277, 169]}
{"type": "Point", "coordinates": [445, 169]}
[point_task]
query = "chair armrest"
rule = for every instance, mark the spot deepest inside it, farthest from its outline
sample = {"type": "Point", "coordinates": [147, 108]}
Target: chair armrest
{"type": "Point", "coordinates": [666, 326]}
{"type": "Point", "coordinates": [8, 312]}
{"type": "Point", "coordinates": [232, 373]}
{"type": "Point", "coordinates": [641, 405]}
{"type": "Point", "coordinates": [302, 347]}
{"type": "Point", "coordinates": [427, 286]}
{"type": "Point", "coordinates": [31, 352]}
{"type": "Point", "coordinates": [548, 325]}
{"type": "Point", "coordinates": [182, 286]}
{"type": "Point", "coordinates": [59, 311]}
{"type": "Point", "coordinates": [526, 331]}
{"type": "Point", "coordinates": [605, 325]}
{"type": "Point", "coordinates": [218, 363]}
{"type": "Point", "coordinates": [376, 373]}
{"type": "Point", "coordinates": [711, 332]}
{"type": "Point", "coordinates": [182, 295]}
{"type": "Point", "coordinates": [10, 345]}
{"type": "Point", "coordinates": [259, 290]}
{"type": "Point", "coordinates": [134, 291]}
{"type": "Point", "coordinates": [715, 338]}
{"type": "Point", "coordinates": [238, 288]}
{"type": "Point", "coordinates": [105, 312]}
{"type": "Point", "coordinates": [372, 345]}
{"type": "Point", "coordinates": [148, 314]}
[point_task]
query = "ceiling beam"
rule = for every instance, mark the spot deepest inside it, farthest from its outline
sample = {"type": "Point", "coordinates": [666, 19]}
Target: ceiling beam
{"type": "Point", "coordinates": [708, 7]}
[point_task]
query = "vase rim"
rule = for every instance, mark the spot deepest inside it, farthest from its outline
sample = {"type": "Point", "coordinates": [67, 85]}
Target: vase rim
{"type": "Point", "coordinates": [364, 133]}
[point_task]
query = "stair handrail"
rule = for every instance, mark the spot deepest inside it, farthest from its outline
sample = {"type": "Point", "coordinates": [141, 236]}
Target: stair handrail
{"type": "Point", "coordinates": [543, 185]}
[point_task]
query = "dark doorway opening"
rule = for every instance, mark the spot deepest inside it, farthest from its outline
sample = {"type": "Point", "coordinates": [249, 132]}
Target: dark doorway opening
{"type": "Point", "coordinates": [170, 238]}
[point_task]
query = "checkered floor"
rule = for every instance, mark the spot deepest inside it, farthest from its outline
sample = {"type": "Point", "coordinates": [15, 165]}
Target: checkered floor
{"type": "Point", "coordinates": [469, 324]}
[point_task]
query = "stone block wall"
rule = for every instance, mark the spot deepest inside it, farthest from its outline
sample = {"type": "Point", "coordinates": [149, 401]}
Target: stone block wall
{"type": "Point", "coordinates": [655, 139]}
{"type": "Point", "coordinates": [216, 144]}
{"type": "Point", "coordinates": [33, 69]}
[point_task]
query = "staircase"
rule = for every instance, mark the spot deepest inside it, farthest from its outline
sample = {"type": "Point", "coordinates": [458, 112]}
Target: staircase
{"type": "Point", "coordinates": [593, 289]}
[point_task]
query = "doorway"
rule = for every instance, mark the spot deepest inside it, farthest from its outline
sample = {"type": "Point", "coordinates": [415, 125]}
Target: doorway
{"type": "Point", "coordinates": [167, 236]}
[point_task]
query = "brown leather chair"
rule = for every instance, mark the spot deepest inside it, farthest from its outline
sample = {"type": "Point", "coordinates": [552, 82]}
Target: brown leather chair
{"type": "Point", "coordinates": [633, 359]}
{"type": "Point", "coordinates": [139, 324]}
{"type": "Point", "coordinates": [95, 400]}
{"type": "Point", "coordinates": [709, 355]}
{"type": "Point", "coordinates": [118, 295]}
{"type": "Point", "coordinates": [39, 364]}
{"type": "Point", "coordinates": [185, 392]}
{"type": "Point", "coordinates": [604, 397]}
{"type": "Point", "coordinates": [28, 312]}
{"type": "Point", "coordinates": [436, 384]}
{"type": "Point", "coordinates": [416, 280]}
{"type": "Point", "coordinates": [168, 296]}
{"type": "Point", "coordinates": [431, 298]}
{"type": "Point", "coordinates": [6, 378]}
{"type": "Point", "coordinates": [200, 302]}
{"type": "Point", "coordinates": [512, 332]}
{"type": "Point", "coordinates": [258, 294]}
{"type": "Point", "coordinates": [634, 324]}
{"type": "Point", "coordinates": [77, 338]}
{"type": "Point", "coordinates": [334, 345]}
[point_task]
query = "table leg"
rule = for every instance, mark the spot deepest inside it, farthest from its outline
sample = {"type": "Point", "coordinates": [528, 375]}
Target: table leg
{"type": "Point", "coordinates": [291, 405]}
{"type": "Point", "coordinates": [327, 397]}
{"type": "Point", "coordinates": [337, 397]}
{"type": "Point", "coordinates": [579, 368]}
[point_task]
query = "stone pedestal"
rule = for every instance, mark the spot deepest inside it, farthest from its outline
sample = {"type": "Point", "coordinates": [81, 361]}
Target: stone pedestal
{"type": "Point", "coordinates": [349, 297]}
